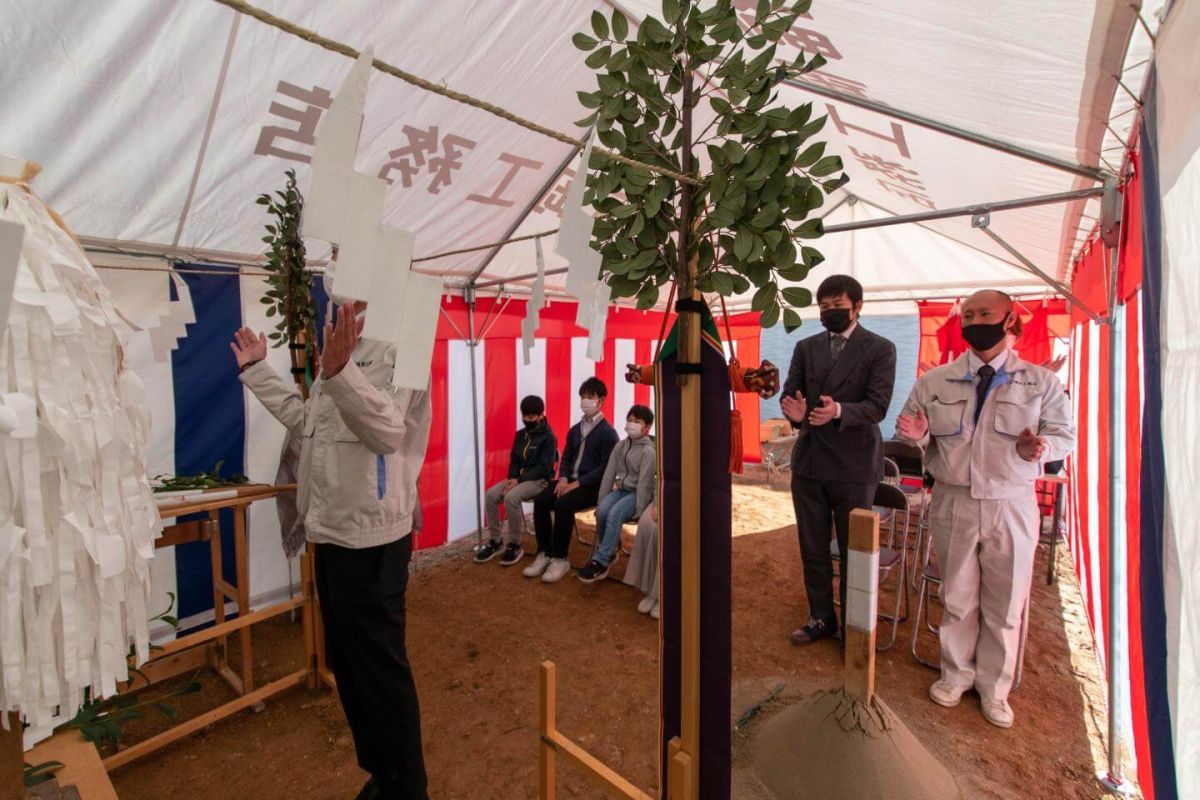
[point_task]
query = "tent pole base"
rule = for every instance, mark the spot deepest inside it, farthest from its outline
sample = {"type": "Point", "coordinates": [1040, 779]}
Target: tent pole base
{"type": "Point", "coordinates": [1114, 785]}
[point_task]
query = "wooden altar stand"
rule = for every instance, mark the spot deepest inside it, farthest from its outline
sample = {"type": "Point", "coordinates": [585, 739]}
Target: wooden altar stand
{"type": "Point", "coordinates": [208, 647]}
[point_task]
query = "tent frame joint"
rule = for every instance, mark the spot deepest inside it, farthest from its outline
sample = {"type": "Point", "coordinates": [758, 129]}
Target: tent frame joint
{"type": "Point", "coordinates": [983, 220]}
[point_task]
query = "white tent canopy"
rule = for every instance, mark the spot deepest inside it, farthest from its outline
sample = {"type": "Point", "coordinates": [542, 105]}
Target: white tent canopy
{"type": "Point", "coordinates": [159, 122]}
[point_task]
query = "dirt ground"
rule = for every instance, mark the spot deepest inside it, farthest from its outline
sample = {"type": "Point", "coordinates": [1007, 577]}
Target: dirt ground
{"type": "Point", "coordinates": [477, 634]}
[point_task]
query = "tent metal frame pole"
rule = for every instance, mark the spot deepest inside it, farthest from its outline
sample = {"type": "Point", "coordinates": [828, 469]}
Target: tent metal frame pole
{"type": "Point", "coordinates": [1083, 170]}
{"type": "Point", "coordinates": [1112, 778]}
{"type": "Point", "coordinates": [982, 222]}
{"type": "Point", "coordinates": [208, 128]}
{"type": "Point", "coordinates": [530, 275]}
{"type": "Point", "coordinates": [472, 344]}
{"type": "Point", "coordinates": [547, 186]}
{"type": "Point", "coordinates": [969, 211]}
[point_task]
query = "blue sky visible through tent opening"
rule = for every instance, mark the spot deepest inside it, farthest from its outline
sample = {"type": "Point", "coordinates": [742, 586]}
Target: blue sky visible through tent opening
{"type": "Point", "coordinates": [904, 331]}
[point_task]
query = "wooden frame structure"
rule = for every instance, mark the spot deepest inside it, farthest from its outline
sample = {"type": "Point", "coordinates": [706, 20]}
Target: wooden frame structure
{"type": "Point", "coordinates": [209, 647]}
{"type": "Point", "coordinates": [555, 744]}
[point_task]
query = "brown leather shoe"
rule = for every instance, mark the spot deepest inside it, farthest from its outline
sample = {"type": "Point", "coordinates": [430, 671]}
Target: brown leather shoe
{"type": "Point", "coordinates": [815, 629]}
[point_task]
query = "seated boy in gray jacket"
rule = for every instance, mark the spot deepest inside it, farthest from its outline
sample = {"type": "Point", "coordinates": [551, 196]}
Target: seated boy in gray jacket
{"type": "Point", "coordinates": [625, 492]}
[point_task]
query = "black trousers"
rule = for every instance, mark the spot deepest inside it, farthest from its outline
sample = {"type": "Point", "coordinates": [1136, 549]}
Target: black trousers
{"type": "Point", "coordinates": [362, 607]}
{"type": "Point", "coordinates": [818, 504]}
{"type": "Point", "coordinates": [554, 517]}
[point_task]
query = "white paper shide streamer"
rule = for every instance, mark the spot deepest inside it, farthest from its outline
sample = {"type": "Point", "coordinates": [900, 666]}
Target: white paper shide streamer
{"type": "Point", "coordinates": [583, 271]}
{"type": "Point", "coordinates": [345, 208]}
{"type": "Point", "coordinates": [537, 302]}
{"type": "Point", "coordinates": [77, 518]}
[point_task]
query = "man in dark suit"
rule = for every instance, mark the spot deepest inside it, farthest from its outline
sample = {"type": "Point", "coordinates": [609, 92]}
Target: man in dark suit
{"type": "Point", "coordinates": [838, 389]}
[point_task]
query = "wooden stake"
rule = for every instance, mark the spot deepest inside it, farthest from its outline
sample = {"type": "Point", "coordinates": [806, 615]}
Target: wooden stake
{"type": "Point", "coordinates": [689, 435]}
{"type": "Point", "coordinates": [12, 760]}
{"type": "Point", "coordinates": [546, 760]}
{"type": "Point", "coordinates": [682, 770]}
{"type": "Point", "coordinates": [308, 594]}
{"type": "Point", "coordinates": [861, 571]}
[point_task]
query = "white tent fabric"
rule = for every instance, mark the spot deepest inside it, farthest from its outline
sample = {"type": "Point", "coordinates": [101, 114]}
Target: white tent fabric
{"type": "Point", "coordinates": [1178, 65]}
{"type": "Point", "coordinates": [160, 122]}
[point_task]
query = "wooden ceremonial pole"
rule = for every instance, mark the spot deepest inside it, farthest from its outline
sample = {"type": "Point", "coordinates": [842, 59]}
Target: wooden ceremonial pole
{"type": "Point", "coordinates": [861, 571]}
{"type": "Point", "coordinates": [12, 760]}
{"type": "Point", "coordinates": [684, 778]}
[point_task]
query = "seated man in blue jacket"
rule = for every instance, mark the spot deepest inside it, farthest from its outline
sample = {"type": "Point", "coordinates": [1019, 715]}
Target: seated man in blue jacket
{"type": "Point", "coordinates": [530, 470]}
{"type": "Point", "coordinates": [590, 442]}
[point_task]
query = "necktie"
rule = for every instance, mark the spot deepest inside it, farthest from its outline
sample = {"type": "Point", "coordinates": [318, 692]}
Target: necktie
{"type": "Point", "coordinates": [985, 375]}
{"type": "Point", "coordinates": [836, 345]}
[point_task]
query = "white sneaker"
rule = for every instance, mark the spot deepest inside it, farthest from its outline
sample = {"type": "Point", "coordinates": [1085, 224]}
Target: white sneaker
{"type": "Point", "coordinates": [654, 611]}
{"type": "Point", "coordinates": [558, 569]}
{"type": "Point", "coordinates": [997, 712]}
{"type": "Point", "coordinates": [945, 693]}
{"type": "Point", "coordinates": [538, 566]}
{"type": "Point", "coordinates": [647, 604]}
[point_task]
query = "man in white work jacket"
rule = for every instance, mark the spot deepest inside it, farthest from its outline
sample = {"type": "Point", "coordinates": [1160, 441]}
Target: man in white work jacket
{"type": "Point", "coordinates": [362, 447]}
{"type": "Point", "coordinates": [987, 422]}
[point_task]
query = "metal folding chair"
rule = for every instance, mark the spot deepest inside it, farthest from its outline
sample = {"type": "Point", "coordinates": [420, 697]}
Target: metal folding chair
{"type": "Point", "coordinates": [892, 505]}
{"type": "Point", "coordinates": [931, 579]}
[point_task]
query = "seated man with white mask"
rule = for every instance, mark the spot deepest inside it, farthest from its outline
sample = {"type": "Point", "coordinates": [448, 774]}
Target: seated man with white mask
{"type": "Point", "coordinates": [590, 442]}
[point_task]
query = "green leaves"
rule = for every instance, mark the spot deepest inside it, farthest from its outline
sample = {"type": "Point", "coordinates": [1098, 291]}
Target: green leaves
{"type": "Point", "coordinates": [599, 25]}
{"type": "Point", "coordinates": [797, 296]}
{"type": "Point", "coordinates": [599, 57]}
{"type": "Point", "coordinates": [620, 26]}
{"type": "Point", "coordinates": [767, 174]}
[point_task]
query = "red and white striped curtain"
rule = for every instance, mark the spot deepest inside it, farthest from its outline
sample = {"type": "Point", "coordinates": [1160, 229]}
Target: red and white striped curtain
{"type": "Point", "coordinates": [557, 366]}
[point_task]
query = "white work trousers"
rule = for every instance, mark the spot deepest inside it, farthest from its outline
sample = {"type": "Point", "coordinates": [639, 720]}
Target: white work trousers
{"type": "Point", "coordinates": [985, 551]}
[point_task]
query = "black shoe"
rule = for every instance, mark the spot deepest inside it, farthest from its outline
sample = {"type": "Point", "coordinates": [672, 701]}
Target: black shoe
{"type": "Point", "coordinates": [512, 555]}
{"type": "Point", "coordinates": [593, 571]}
{"type": "Point", "coordinates": [370, 791]}
{"type": "Point", "coordinates": [488, 552]}
{"type": "Point", "coordinates": [814, 630]}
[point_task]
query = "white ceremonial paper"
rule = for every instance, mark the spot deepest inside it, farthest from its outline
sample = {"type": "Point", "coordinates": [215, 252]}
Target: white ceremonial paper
{"type": "Point", "coordinates": [601, 296]}
{"type": "Point", "coordinates": [11, 236]}
{"type": "Point", "coordinates": [360, 239]}
{"type": "Point", "coordinates": [575, 227]}
{"type": "Point", "coordinates": [414, 345]}
{"type": "Point", "coordinates": [324, 213]}
{"type": "Point", "coordinates": [325, 203]}
{"type": "Point", "coordinates": [389, 284]}
{"type": "Point", "coordinates": [25, 409]}
{"type": "Point", "coordinates": [165, 337]}
{"type": "Point", "coordinates": [111, 552]}
{"type": "Point", "coordinates": [575, 233]}
{"type": "Point", "coordinates": [583, 273]}
{"type": "Point", "coordinates": [537, 300]}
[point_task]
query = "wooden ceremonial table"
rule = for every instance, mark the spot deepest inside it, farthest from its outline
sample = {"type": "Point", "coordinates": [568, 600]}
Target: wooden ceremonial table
{"type": "Point", "coordinates": [208, 647]}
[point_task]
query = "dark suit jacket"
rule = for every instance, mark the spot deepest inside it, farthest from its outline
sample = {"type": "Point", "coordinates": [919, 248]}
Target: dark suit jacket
{"type": "Point", "coordinates": [848, 449]}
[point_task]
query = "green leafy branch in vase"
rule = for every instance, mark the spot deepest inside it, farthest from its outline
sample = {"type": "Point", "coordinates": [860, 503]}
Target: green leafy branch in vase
{"type": "Point", "coordinates": [289, 284]}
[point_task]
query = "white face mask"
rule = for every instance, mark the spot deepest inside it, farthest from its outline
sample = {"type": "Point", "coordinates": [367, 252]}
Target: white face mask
{"type": "Point", "coordinates": [635, 429]}
{"type": "Point", "coordinates": [589, 406]}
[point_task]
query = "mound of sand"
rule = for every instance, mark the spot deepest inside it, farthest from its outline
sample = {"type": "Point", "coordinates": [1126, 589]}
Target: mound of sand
{"type": "Point", "coordinates": [831, 746]}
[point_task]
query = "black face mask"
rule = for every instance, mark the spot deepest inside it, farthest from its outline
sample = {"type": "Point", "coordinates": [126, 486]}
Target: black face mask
{"type": "Point", "coordinates": [835, 320]}
{"type": "Point", "coordinates": [531, 425]}
{"type": "Point", "coordinates": [984, 337]}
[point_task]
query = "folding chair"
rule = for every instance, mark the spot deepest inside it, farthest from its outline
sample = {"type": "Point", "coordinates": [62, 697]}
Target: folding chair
{"type": "Point", "coordinates": [930, 579]}
{"type": "Point", "coordinates": [891, 472]}
{"type": "Point", "coordinates": [889, 501]}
